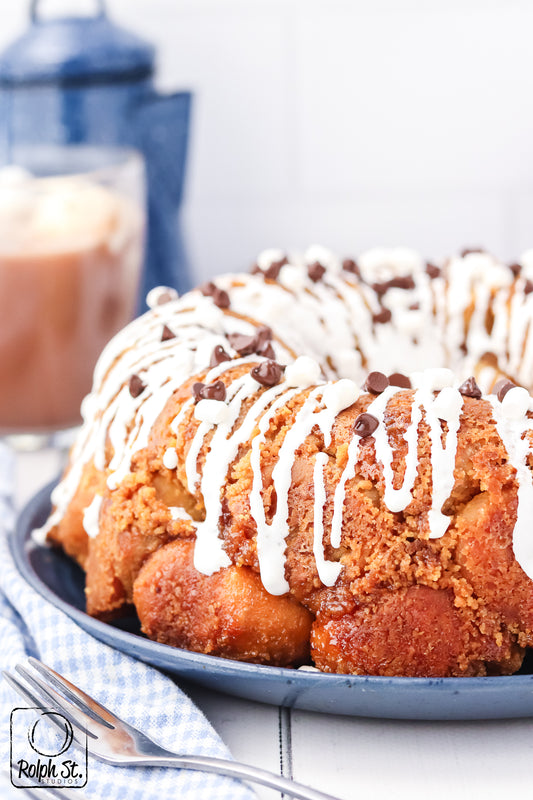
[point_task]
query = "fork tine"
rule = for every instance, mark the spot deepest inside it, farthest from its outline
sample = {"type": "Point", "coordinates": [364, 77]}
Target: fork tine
{"type": "Point", "coordinates": [45, 697]}
{"type": "Point", "coordinates": [79, 698]}
{"type": "Point", "coordinates": [51, 697]}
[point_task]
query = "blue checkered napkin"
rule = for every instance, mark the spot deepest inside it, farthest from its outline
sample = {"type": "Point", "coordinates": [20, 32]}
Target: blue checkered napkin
{"type": "Point", "coordinates": [138, 693]}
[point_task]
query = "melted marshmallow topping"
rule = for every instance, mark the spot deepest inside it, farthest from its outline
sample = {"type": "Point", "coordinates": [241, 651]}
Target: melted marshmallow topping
{"type": "Point", "coordinates": [391, 313]}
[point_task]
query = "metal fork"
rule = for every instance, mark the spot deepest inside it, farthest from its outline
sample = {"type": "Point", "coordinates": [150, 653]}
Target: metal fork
{"type": "Point", "coordinates": [114, 741]}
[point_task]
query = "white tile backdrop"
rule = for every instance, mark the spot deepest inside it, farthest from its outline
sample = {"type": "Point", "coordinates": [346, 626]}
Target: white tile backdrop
{"type": "Point", "coordinates": [347, 123]}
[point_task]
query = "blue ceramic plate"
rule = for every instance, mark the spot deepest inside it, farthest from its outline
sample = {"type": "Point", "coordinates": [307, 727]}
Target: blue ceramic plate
{"type": "Point", "coordinates": [61, 582]}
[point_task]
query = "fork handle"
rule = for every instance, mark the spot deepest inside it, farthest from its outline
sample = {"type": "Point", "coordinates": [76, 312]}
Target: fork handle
{"type": "Point", "coordinates": [236, 770]}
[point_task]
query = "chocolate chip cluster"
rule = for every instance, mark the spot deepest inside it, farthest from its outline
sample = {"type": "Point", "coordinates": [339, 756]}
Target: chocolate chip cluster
{"type": "Point", "coordinates": [219, 296]}
{"type": "Point", "coordinates": [268, 373]}
{"type": "Point", "coordinates": [213, 391]}
{"type": "Point", "coordinates": [260, 343]}
{"type": "Point", "coordinates": [377, 382]}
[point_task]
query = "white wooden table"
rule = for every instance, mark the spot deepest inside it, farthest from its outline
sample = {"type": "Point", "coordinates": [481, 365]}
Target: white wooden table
{"type": "Point", "coordinates": [346, 756]}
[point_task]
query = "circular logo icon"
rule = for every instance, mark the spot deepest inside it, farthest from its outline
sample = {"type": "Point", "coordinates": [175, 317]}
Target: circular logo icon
{"type": "Point", "coordinates": [42, 742]}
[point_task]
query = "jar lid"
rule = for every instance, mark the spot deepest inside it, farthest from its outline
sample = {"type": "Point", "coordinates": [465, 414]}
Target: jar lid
{"type": "Point", "coordinates": [74, 51]}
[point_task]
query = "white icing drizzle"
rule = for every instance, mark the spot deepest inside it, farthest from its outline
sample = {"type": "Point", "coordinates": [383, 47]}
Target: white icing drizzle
{"type": "Point", "coordinates": [271, 537]}
{"type": "Point", "coordinates": [340, 491]}
{"type": "Point", "coordinates": [328, 571]}
{"type": "Point", "coordinates": [170, 458]}
{"type": "Point", "coordinates": [209, 554]}
{"type": "Point", "coordinates": [513, 432]}
{"type": "Point", "coordinates": [442, 455]}
{"type": "Point", "coordinates": [446, 405]}
{"type": "Point", "coordinates": [270, 548]}
{"type": "Point", "coordinates": [91, 516]}
{"type": "Point", "coordinates": [331, 324]}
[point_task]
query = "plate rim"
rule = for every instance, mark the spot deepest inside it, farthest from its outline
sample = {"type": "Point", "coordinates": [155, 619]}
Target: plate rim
{"type": "Point", "coordinates": [21, 544]}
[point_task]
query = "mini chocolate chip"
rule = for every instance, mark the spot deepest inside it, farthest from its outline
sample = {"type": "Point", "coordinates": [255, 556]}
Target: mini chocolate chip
{"type": "Point", "coordinates": [265, 349]}
{"type": "Point", "coordinates": [365, 425]}
{"type": "Point", "coordinates": [272, 272]}
{"type": "Point", "coordinates": [207, 288]}
{"type": "Point", "coordinates": [136, 386]}
{"type": "Point", "coordinates": [380, 288]}
{"type": "Point", "coordinates": [376, 382]}
{"type": "Point", "coordinates": [469, 250]}
{"type": "Point", "coordinates": [218, 356]}
{"type": "Point", "coordinates": [470, 388]}
{"type": "Point", "coordinates": [197, 389]}
{"type": "Point", "coordinates": [528, 288]}
{"type": "Point", "coordinates": [167, 334]}
{"type": "Point", "coordinates": [516, 269]}
{"type": "Point", "coordinates": [268, 373]}
{"type": "Point", "coordinates": [244, 345]}
{"type": "Point", "coordinates": [255, 269]}
{"type": "Point", "coordinates": [221, 298]}
{"type": "Point", "coordinates": [382, 317]}
{"type": "Point", "coordinates": [316, 271]}
{"type": "Point", "coordinates": [165, 297]}
{"type": "Point", "coordinates": [414, 307]}
{"type": "Point", "coordinates": [215, 391]}
{"type": "Point", "coordinates": [264, 334]}
{"type": "Point", "coordinates": [349, 265]}
{"type": "Point", "coordinates": [406, 282]}
{"type": "Point", "coordinates": [501, 388]}
{"type": "Point", "coordinates": [399, 379]}
{"type": "Point", "coordinates": [433, 271]}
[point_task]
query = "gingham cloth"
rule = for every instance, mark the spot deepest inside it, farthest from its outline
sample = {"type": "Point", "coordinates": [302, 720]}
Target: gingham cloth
{"type": "Point", "coordinates": [136, 692]}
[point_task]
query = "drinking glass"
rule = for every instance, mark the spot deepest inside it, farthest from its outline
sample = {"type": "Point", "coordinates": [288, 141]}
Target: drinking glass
{"type": "Point", "coordinates": [72, 230]}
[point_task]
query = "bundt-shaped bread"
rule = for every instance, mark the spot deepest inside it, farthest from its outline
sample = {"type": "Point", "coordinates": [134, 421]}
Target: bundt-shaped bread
{"type": "Point", "coordinates": [259, 477]}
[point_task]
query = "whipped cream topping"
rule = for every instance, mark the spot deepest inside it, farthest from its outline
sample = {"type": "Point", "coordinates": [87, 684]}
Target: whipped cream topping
{"type": "Point", "coordinates": [473, 318]}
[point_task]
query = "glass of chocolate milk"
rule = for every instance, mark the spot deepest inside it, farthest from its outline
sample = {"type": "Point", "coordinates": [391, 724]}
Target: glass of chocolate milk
{"type": "Point", "coordinates": [72, 224]}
